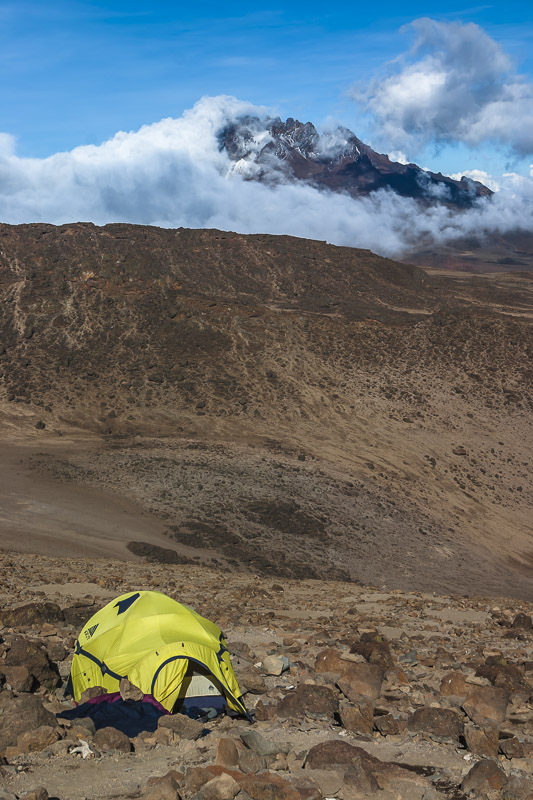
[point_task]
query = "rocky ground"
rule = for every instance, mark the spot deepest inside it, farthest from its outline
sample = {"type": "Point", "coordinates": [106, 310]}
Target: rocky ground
{"type": "Point", "coordinates": [395, 695]}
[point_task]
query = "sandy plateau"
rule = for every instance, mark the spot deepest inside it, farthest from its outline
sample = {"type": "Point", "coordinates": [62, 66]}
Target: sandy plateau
{"type": "Point", "coordinates": [326, 452]}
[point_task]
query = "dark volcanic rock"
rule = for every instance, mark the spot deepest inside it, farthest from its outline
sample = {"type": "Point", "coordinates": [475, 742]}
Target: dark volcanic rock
{"type": "Point", "coordinates": [309, 700]}
{"type": "Point", "coordinates": [484, 776]}
{"type": "Point", "coordinates": [336, 753]}
{"type": "Point", "coordinates": [360, 679]}
{"type": "Point", "coordinates": [32, 614]}
{"type": "Point", "coordinates": [111, 739]}
{"type": "Point", "coordinates": [442, 723]}
{"type": "Point", "coordinates": [29, 654]}
{"type": "Point", "coordinates": [19, 715]}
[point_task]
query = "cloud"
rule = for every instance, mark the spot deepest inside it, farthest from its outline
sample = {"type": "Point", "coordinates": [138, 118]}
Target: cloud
{"type": "Point", "coordinates": [174, 173]}
{"type": "Point", "coordinates": [456, 84]}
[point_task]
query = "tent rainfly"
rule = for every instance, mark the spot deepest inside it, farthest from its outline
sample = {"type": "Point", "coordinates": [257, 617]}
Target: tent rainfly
{"type": "Point", "coordinates": [161, 646]}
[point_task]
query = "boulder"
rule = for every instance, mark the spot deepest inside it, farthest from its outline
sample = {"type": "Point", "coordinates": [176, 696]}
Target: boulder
{"type": "Point", "coordinates": [361, 679]}
{"type": "Point", "coordinates": [34, 741]}
{"type": "Point", "coordinates": [270, 787]}
{"type": "Point", "coordinates": [389, 725]}
{"type": "Point", "coordinates": [440, 723]}
{"type": "Point", "coordinates": [253, 740]}
{"type": "Point", "coordinates": [227, 753]}
{"type": "Point", "coordinates": [182, 726]}
{"type": "Point", "coordinates": [21, 714]}
{"type": "Point", "coordinates": [511, 747]}
{"type": "Point", "coordinates": [56, 651]}
{"type": "Point", "coordinates": [454, 684]}
{"type": "Point", "coordinates": [519, 787]}
{"type": "Point", "coordinates": [523, 621]}
{"type": "Point", "coordinates": [223, 787]}
{"type": "Point", "coordinates": [375, 650]}
{"type": "Point", "coordinates": [165, 788]}
{"type": "Point", "coordinates": [90, 692]}
{"type": "Point", "coordinates": [31, 615]}
{"type": "Point", "coordinates": [482, 741]}
{"type": "Point", "coordinates": [39, 793]}
{"type": "Point", "coordinates": [310, 700]}
{"type": "Point", "coordinates": [251, 680]}
{"type": "Point", "coordinates": [489, 702]}
{"type": "Point", "coordinates": [250, 762]}
{"type": "Point", "coordinates": [359, 717]}
{"type": "Point", "coordinates": [485, 776]}
{"type": "Point", "coordinates": [19, 679]}
{"type": "Point", "coordinates": [329, 660]}
{"type": "Point", "coordinates": [337, 753]}
{"type": "Point", "coordinates": [111, 739]}
{"type": "Point", "coordinates": [77, 615]}
{"type": "Point", "coordinates": [27, 653]}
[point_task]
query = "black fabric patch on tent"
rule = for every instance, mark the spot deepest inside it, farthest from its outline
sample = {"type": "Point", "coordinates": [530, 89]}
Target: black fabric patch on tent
{"type": "Point", "coordinates": [129, 716]}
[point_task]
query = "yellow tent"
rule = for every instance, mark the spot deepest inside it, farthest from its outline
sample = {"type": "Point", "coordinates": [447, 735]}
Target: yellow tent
{"type": "Point", "coordinates": [155, 642]}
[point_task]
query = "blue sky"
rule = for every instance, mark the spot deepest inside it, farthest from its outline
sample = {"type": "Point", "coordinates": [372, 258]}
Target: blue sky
{"type": "Point", "coordinates": [76, 72]}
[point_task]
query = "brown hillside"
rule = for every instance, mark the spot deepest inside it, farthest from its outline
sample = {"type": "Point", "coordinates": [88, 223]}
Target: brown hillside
{"type": "Point", "coordinates": [269, 403]}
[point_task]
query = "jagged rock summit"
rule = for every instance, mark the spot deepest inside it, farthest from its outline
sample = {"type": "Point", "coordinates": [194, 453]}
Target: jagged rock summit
{"type": "Point", "coordinates": [270, 149]}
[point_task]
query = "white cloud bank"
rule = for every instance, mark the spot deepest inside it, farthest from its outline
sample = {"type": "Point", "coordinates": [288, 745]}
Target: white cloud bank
{"type": "Point", "coordinates": [172, 173]}
{"type": "Point", "coordinates": [455, 84]}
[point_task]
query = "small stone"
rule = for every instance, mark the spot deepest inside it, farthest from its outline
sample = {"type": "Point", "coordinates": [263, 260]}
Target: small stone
{"type": "Point", "coordinates": [459, 451]}
{"type": "Point", "coordinates": [275, 665]}
{"type": "Point", "coordinates": [112, 739]}
{"type": "Point", "coordinates": [92, 691]}
{"type": "Point", "coordinates": [128, 691]}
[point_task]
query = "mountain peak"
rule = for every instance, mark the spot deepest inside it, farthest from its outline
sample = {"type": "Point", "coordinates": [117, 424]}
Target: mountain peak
{"type": "Point", "coordinates": [271, 150]}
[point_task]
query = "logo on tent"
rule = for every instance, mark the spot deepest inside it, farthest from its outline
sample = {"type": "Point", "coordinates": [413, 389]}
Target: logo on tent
{"type": "Point", "coordinates": [90, 631]}
{"type": "Point", "coordinates": [123, 605]}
